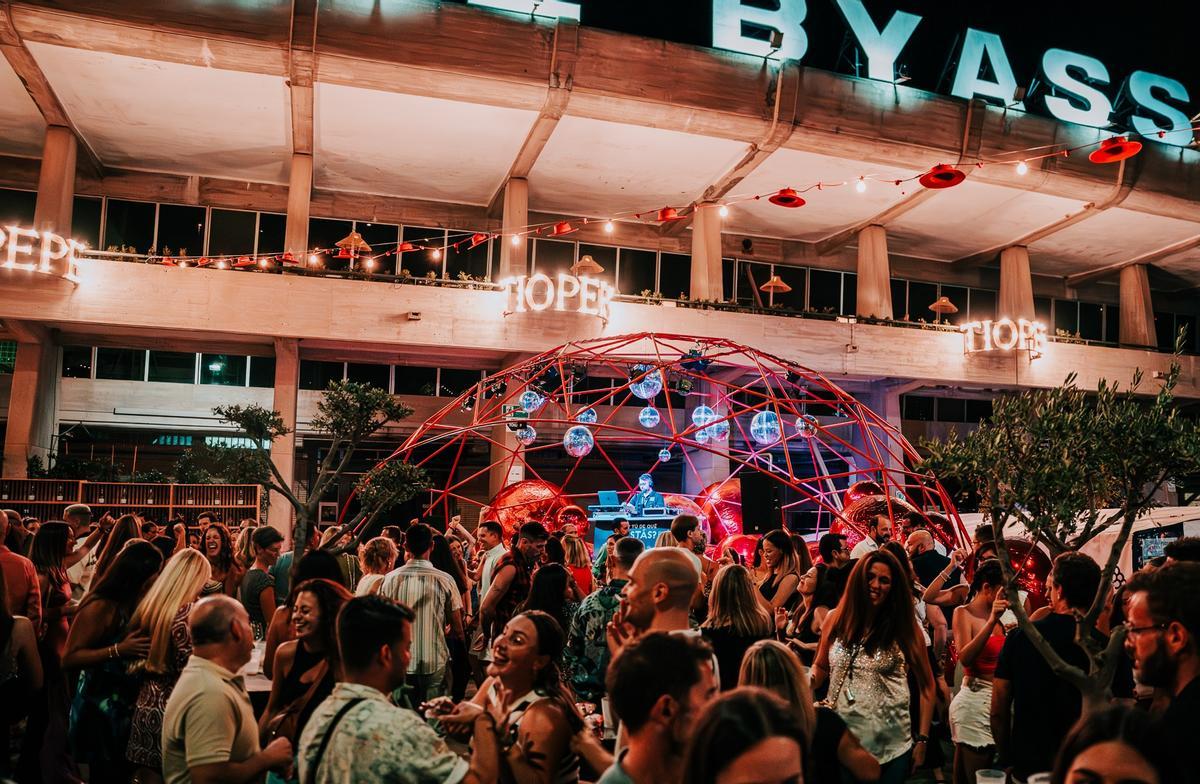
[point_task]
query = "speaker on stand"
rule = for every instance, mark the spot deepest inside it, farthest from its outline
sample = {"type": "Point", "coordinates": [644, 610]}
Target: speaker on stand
{"type": "Point", "coordinates": [762, 510]}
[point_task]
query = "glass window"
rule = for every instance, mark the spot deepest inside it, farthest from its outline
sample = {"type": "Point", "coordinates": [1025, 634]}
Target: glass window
{"type": "Point", "coordinates": [318, 375]}
{"type": "Point", "coordinates": [416, 380]}
{"type": "Point", "coordinates": [377, 376]}
{"type": "Point", "coordinates": [1041, 311]}
{"type": "Point", "coordinates": [77, 362]}
{"type": "Point", "coordinates": [675, 275]}
{"type": "Point", "coordinates": [635, 272]}
{"type": "Point", "coordinates": [382, 237]}
{"type": "Point", "coordinates": [85, 220]}
{"type": "Point", "coordinates": [1188, 324]}
{"type": "Point", "coordinates": [231, 233]}
{"type": "Point", "coordinates": [1112, 323]}
{"type": "Point", "coordinates": [551, 257]}
{"type": "Point", "coordinates": [129, 225]}
{"type": "Point", "coordinates": [849, 293]}
{"type": "Point", "coordinates": [1164, 330]}
{"type": "Point", "coordinates": [455, 382]}
{"type": "Point", "coordinates": [272, 228]}
{"type": "Point", "coordinates": [982, 306]}
{"type": "Point", "coordinates": [728, 280]}
{"type": "Point", "coordinates": [916, 407]}
{"type": "Point", "coordinates": [122, 364]}
{"type": "Point", "coordinates": [173, 367]}
{"type": "Point", "coordinates": [797, 278]}
{"type": "Point", "coordinates": [262, 372]}
{"type": "Point", "coordinates": [1091, 321]}
{"type": "Point", "coordinates": [420, 262]}
{"type": "Point", "coordinates": [605, 256]}
{"type": "Point", "coordinates": [958, 296]}
{"type": "Point", "coordinates": [16, 207]}
{"type": "Point", "coordinates": [227, 370]}
{"type": "Point", "coordinates": [467, 260]}
{"type": "Point", "coordinates": [181, 230]}
{"type": "Point", "coordinates": [900, 299]}
{"type": "Point", "coordinates": [920, 297]}
{"type": "Point", "coordinates": [1066, 316]}
{"type": "Point", "coordinates": [951, 409]}
{"type": "Point", "coordinates": [324, 233]}
{"type": "Point", "coordinates": [751, 276]}
{"type": "Point", "coordinates": [824, 291]}
{"type": "Point", "coordinates": [979, 410]}
{"type": "Point", "coordinates": [8, 356]}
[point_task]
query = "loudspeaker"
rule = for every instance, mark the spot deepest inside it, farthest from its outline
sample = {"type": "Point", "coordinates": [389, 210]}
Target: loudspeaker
{"type": "Point", "coordinates": [761, 508]}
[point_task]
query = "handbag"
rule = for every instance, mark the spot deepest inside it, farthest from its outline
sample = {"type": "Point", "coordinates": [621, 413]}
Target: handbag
{"type": "Point", "coordinates": [286, 723]}
{"type": "Point", "coordinates": [831, 698]}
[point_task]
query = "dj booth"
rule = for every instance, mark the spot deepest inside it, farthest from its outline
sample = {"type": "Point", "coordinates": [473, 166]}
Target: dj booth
{"type": "Point", "coordinates": [646, 526]}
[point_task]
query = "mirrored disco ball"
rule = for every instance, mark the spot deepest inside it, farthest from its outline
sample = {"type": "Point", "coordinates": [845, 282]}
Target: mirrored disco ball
{"type": "Point", "coordinates": [526, 435]}
{"type": "Point", "coordinates": [530, 401]}
{"type": "Point", "coordinates": [648, 385]}
{"type": "Point", "coordinates": [806, 425]}
{"type": "Point", "coordinates": [648, 417]}
{"type": "Point", "coordinates": [702, 436]}
{"type": "Point", "coordinates": [587, 416]}
{"type": "Point", "coordinates": [718, 431]}
{"type": "Point", "coordinates": [765, 429]}
{"type": "Point", "coordinates": [664, 455]}
{"type": "Point", "coordinates": [578, 441]}
{"type": "Point", "coordinates": [702, 416]}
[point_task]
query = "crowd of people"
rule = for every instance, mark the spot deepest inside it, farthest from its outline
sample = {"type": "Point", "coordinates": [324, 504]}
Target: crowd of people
{"type": "Point", "coordinates": [427, 655]}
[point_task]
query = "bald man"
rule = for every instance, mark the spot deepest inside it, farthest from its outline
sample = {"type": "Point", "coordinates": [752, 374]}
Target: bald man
{"type": "Point", "coordinates": [209, 731]}
{"type": "Point", "coordinates": [660, 590]}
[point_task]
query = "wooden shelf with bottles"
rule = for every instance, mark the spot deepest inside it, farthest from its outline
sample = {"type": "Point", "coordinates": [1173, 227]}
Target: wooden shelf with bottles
{"type": "Point", "coordinates": [47, 498]}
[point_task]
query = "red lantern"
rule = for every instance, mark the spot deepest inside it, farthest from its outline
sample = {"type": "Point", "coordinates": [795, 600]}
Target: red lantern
{"type": "Point", "coordinates": [787, 197]}
{"type": "Point", "coordinates": [942, 176]}
{"type": "Point", "coordinates": [288, 257]}
{"type": "Point", "coordinates": [478, 239]}
{"type": "Point", "coordinates": [561, 228]}
{"type": "Point", "coordinates": [344, 253]}
{"type": "Point", "coordinates": [243, 261]}
{"type": "Point", "coordinates": [668, 214]}
{"type": "Point", "coordinates": [1118, 148]}
{"type": "Point", "coordinates": [405, 247]}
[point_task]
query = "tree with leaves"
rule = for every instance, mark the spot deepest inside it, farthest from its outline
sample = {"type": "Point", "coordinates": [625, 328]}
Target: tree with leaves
{"type": "Point", "coordinates": [348, 414]}
{"type": "Point", "coordinates": [1053, 461]}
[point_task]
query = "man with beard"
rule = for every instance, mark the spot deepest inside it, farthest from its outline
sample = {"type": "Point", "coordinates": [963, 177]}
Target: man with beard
{"type": "Point", "coordinates": [879, 531]}
{"type": "Point", "coordinates": [1163, 625]}
{"type": "Point", "coordinates": [658, 686]}
{"type": "Point", "coordinates": [656, 598]}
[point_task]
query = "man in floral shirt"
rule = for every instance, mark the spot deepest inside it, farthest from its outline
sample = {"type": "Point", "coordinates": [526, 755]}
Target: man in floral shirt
{"type": "Point", "coordinates": [586, 655]}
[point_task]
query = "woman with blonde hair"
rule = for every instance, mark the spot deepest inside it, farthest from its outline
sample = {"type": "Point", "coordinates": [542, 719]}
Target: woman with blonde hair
{"type": "Point", "coordinates": [773, 666]}
{"type": "Point", "coordinates": [578, 563]}
{"type": "Point", "coordinates": [735, 620]}
{"type": "Point", "coordinates": [162, 615]}
{"type": "Point", "coordinates": [376, 557]}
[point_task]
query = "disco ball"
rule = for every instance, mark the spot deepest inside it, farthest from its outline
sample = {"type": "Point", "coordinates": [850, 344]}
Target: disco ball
{"type": "Point", "coordinates": [765, 429]}
{"type": "Point", "coordinates": [703, 415]}
{"type": "Point", "coordinates": [702, 436]}
{"type": "Point", "coordinates": [650, 381]}
{"type": "Point", "coordinates": [587, 416]}
{"type": "Point", "coordinates": [664, 455]}
{"type": "Point", "coordinates": [648, 417]}
{"type": "Point", "coordinates": [718, 431]}
{"type": "Point", "coordinates": [530, 401]}
{"type": "Point", "coordinates": [806, 425]}
{"type": "Point", "coordinates": [526, 435]}
{"type": "Point", "coordinates": [578, 441]}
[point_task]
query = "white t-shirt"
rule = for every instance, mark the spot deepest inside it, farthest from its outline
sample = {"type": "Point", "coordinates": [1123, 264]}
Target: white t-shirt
{"type": "Point", "coordinates": [867, 545]}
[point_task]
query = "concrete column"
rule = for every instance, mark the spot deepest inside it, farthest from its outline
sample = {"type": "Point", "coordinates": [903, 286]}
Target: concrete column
{"type": "Point", "coordinates": [283, 450]}
{"type": "Point", "coordinates": [884, 400]}
{"type": "Point", "coordinates": [1137, 309]}
{"type": "Point", "coordinates": [32, 406]}
{"type": "Point", "coordinates": [56, 182]}
{"type": "Point", "coordinates": [707, 279]}
{"type": "Point", "coordinates": [708, 467]}
{"type": "Point", "coordinates": [295, 237]}
{"type": "Point", "coordinates": [874, 274]}
{"type": "Point", "coordinates": [514, 258]}
{"type": "Point", "coordinates": [505, 469]}
{"type": "Point", "coordinates": [1016, 284]}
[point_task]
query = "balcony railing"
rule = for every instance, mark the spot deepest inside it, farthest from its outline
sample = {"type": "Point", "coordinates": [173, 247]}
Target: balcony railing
{"type": "Point", "coordinates": [46, 499]}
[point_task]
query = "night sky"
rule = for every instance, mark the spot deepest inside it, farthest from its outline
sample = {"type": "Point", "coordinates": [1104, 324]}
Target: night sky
{"type": "Point", "coordinates": [1154, 36]}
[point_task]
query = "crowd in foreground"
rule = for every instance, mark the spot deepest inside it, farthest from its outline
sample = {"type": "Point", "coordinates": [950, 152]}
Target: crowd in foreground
{"type": "Point", "coordinates": [446, 656]}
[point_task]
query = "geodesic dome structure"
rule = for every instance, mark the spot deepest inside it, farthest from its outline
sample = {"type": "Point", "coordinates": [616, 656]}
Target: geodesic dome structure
{"type": "Point", "coordinates": [598, 413]}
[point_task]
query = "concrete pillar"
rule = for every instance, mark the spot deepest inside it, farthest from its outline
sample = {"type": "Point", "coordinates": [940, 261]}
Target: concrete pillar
{"type": "Point", "coordinates": [707, 278]}
{"type": "Point", "coordinates": [56, 182]}
{"type": "Point", "coordinates": [32, 406]}
{"type": "Point", "coordinates": [884, 400]}
{"type": "Point", "coordinates": [700, 467]}
{"type": "Point", "coordinates": [1137, 309]}
{"type": "Point", "coordinates": [874, 274]}
{"type": "Point", "coordinates": [514, 258]}
{"type": "Point", "coordinates": [283, 450]}
{"type": "Point", "coordinates": [505, 468]}
{"type": "Point", "coordinates": [1016, 284]}
{"type": "Point", "coordinates": [295, 236]}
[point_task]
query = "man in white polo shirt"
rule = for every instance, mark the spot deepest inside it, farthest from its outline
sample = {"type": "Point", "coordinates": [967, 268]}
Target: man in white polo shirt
{"type": "Point", "coordinates": [879, 531]}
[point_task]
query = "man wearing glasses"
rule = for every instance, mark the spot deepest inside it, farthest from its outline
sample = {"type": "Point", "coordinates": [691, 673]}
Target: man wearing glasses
{"type": "Point", "coordinates": [1163, 638]}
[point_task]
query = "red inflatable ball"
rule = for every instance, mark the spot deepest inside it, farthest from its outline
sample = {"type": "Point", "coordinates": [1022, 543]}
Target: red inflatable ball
{"type": "Point", "coordinates": [687, 506]}
{"type": "Point", "coordinates": [533, 500]}
{"type": "Point", "coordinates": [721, 503]}
{"type": "Point", "coordinates": [742, 544]}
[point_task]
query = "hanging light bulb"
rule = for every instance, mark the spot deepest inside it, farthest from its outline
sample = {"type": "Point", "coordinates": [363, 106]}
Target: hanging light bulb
{"type": "Point", "coordinates": [723, 212]}
{"type": "Point", "coordinates": [861, 185]}
{"type": "Point", "coordinates": [312, 260]}
{"type": "Point", "coordinates": [608, 227]}
{"type": "Point", "coordinates": [436, 254]}
{"type": "Point", "coordinates": [1022, 168]}
{"type": "Point", "coordinates": [516, 239]}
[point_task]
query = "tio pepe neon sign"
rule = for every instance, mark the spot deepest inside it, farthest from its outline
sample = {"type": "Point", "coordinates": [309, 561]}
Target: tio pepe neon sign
{"type": "Point", "coordinates": [38, 251]}
{"type": "Point", "coordinates": [563, 292]}
{"type": "Point", "coordinates": [1005, 335]}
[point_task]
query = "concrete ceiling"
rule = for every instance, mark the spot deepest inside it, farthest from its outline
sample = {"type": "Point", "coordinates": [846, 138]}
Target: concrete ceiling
{"type": "Point", "coordinates": [1111, 237]}
{"type": "Point", "coordinates": [22, 128]}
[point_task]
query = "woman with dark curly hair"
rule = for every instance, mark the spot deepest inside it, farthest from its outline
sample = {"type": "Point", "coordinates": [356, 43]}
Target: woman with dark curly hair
{"type": "Point", "coordinates": [227, 575]}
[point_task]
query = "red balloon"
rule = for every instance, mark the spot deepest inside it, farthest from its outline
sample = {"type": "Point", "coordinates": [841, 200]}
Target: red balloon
{"type": "Point", "coordinates": [686, 505]}
{"type": "Point", "coordinates": [533, 500]}
{"type": "Point", "coordinates": [722, 505]}
{"type": "Point", "coordinates": [743, 544]}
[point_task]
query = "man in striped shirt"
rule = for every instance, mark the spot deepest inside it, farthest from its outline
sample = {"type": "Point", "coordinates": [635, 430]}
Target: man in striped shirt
{"type": "Point", "coordinates": [435, 602]}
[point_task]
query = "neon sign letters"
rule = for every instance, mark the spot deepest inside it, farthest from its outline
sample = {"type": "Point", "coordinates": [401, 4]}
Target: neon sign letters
{"type": "Point", "coordinates": [1005, 335]}
{"type": "Point", "coordinates": [563, 292]}
{"type": "Point", "coordinates": [1069, 84]}
{"type": "Point", "coordinates": [38, 251]}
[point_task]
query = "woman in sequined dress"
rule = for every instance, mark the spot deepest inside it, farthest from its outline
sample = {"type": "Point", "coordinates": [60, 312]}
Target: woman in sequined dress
{"type": "Point", "coordinates": [869, 645]}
